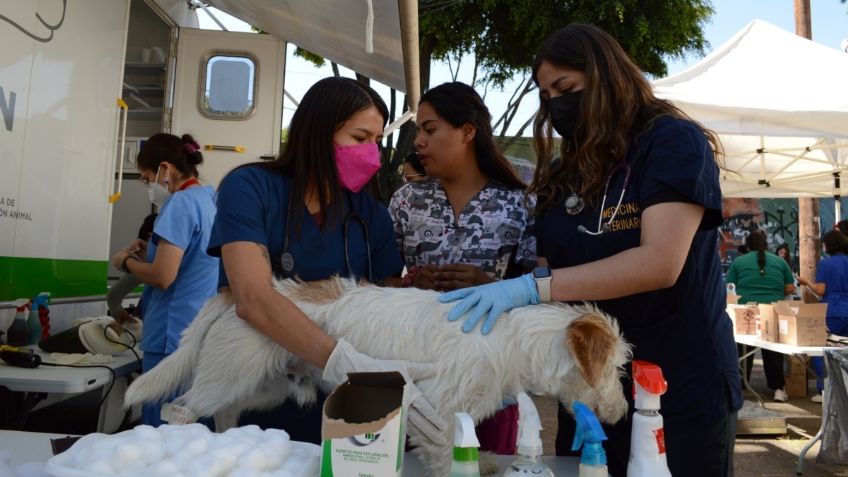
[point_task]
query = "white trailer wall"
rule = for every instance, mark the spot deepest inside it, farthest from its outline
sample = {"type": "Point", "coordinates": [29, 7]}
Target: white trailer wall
{"type": "Point", "coordinates": [59, 80]}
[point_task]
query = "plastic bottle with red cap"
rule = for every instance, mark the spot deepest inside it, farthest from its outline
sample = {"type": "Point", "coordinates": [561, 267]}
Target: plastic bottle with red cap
{"type": "Point", "coordinates": [647, 441]}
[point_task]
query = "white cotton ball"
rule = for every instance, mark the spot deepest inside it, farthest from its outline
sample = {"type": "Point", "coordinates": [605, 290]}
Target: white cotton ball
{"type": "Point", "coordinates": [203, 468]}
{"type": "Point", "coordinates": [254, 430]}
{"type": "Point", "coordinates": [100, 467]}
{"type": "Point", "coordinates": [164, 468]}
{"type": "Point", "coordinates": [254, 459]}
{"type": "Point", "coordinates": [82, 457]}
{"type": "Point", "coordinates": [145, 432]}
{"type": "Point", "coordinates": [279, 446]}
{"type": "Point", "coordinates": [132, 469]}
{"type": "Point", "coordinates": [293, 464]}
{"type": "Point", "coordinates": [196, 429]}
{"type": "Point", "coordinates": [243, 472]}
{"type": "Point", "coordinates": [152, 450]}
{"type": "Point", "coordinates": [173, 444]}
{"type": "Point", "coordinates": [281, 473]}
{"type": "Point", "coordinates": [196, 446]}
{"type": "Point", "coordinates": [128, 453]}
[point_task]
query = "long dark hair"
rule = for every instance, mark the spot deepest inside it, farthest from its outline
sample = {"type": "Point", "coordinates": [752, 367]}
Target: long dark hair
{"type": "Point", "coordinates": [308, 156]}
{"type": "Point", "coordinates": [618, 103]}
{"type": "Point", "coordinates": [757, 241]}
{"type": "Point", "coordinates": [181, 152]}
{"type": "Point", "coordinates": [458, 104]}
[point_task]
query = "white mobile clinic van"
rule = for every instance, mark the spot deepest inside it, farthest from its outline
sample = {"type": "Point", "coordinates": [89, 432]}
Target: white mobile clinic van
{"type": "Point", "coordinates": [68, 190]}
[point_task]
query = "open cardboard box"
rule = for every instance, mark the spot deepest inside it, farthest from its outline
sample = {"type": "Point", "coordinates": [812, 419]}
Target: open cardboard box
{"type": "Point", "coordinates": [801, 324]}
{"type": "Point", "coordinates": [364, 426]}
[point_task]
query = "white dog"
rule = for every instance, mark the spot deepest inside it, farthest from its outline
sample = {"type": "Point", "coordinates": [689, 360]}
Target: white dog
{"type": "Point", "coordinates": [572, 353]}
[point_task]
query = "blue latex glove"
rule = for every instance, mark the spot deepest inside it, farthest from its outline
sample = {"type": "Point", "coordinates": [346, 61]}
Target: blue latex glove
{"type": "Point", "coordinates": [491, 300]}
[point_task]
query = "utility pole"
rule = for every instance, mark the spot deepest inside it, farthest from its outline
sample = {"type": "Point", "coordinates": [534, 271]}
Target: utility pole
{"type": "Point", "coordinates": [809, 218]}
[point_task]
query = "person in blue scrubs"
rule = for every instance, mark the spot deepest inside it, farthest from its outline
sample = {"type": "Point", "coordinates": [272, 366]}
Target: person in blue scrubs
{"type": "Point", "coordinates": [306, 215]}
{"type": "Point", "coordinates": [627, 218]}
{"type": "Point", "coordinates": [831, 285]}
{"type": "Point", "coordinates": [178, 274]}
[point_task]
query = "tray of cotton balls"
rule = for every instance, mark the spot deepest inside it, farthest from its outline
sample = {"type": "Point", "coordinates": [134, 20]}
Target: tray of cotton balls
{"type": "Point", "coordinates": [188, 451]}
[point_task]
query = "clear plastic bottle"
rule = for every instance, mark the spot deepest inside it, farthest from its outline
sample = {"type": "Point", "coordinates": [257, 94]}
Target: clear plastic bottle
{"type": "Point", "coordinates": [529, 461]}
{"type": "Point", "coordinates": [647, 441]}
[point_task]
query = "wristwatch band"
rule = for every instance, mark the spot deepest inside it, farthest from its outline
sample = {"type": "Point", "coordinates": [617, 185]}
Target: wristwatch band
{"type": "Point", "coordinates": [542, 277]}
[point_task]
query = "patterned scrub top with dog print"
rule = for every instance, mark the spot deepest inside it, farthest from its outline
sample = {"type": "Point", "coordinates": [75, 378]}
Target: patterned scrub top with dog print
{"type": "Point", "coordinates": [495, 225]}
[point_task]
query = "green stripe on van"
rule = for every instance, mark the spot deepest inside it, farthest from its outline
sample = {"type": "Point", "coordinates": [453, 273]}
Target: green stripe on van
{"type": "Point", "coordinates": [26, 277]}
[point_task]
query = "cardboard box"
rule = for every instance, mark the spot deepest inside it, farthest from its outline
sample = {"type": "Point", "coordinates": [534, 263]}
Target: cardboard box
{"type": "Point", "coordinates": [746, 320]}
{"type": "Point", "coordinates": [364, 426]}
{"type": "Point", "coordinates": [801, 324]}
{"type": "Point", "coordinates": [768, 323]}
{"type": "Point", "coordinates": [796, 377]}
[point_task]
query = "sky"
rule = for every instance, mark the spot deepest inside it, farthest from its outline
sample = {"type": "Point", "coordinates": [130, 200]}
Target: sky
{"type": "Point", "coordinates": [829, 27]}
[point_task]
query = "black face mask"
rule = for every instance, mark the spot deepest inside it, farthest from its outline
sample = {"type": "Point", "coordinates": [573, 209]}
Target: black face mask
{"type": "Point", "coordinates": [565, 110]}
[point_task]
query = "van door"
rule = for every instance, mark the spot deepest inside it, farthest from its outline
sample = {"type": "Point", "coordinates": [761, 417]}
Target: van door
{"type": "Point", "coordinates": [228, 94]}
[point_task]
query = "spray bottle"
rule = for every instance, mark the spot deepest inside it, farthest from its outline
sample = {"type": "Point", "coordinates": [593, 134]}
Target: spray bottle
{"type": "Point", "coordinates": [16, 334]}
{"type": "Point", "coordinates": [43, 299]}
{"type": "Point", "coordinates": [465, 454]}
{"type": "Point", "coordinates": [32, 324]}
{"type": "Point", "coordinates": [647, 441]}
{"type": "Point", "coordinates": [529, 460]}
{"type": "Point", "coordinates": [589, 435]}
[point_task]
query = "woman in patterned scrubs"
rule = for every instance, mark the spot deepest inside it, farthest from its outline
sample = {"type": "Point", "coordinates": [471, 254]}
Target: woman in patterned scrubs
{"type": "Point", "coordinates": [471, 222]}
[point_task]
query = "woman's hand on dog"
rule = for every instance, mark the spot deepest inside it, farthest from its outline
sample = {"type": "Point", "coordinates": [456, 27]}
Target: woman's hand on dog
{"type": "Point", "coordinates": [459, 275]}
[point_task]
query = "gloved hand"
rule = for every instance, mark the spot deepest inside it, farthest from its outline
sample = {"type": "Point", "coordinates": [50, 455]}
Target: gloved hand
{"type": "Point", "coordinates": [345, 359]}
{"type": "Point", "coordinates": [491, 300]}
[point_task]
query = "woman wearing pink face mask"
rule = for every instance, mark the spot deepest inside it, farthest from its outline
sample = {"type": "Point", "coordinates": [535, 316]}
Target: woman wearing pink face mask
{"type": "Point", "coordinates": [305, 215]}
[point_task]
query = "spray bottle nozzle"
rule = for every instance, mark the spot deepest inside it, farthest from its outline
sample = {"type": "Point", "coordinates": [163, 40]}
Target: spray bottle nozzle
{"type": "Point", "coordinates": [529, 427]}
{"type": "Point", "coordinates": [589, 435]}
{"type": "Point", "coordinates": [648, 385]}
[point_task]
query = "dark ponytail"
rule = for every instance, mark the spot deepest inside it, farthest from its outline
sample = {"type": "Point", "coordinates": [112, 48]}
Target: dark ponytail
{"type": "Point", "coordinates": [183, 153]}
{"type": "Point", "coordinates": [757, 241]}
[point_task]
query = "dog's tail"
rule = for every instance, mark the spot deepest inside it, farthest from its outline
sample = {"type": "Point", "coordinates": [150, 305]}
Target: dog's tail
{"type": "Point", "coordinates": [176, 371]}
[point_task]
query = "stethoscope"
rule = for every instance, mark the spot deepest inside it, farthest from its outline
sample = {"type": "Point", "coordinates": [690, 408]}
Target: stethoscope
{"type": "Point", "coordinates": [574, 203]}
{"type": "Point", "coordinates": [287, 259]}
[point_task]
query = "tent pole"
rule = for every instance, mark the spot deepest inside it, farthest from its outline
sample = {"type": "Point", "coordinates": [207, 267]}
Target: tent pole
{"type": "Point", "coordinates": [809, 218]}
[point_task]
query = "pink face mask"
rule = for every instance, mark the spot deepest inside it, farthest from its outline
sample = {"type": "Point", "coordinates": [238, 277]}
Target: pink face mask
{"type": "Point", "coordinates": [357, 164]}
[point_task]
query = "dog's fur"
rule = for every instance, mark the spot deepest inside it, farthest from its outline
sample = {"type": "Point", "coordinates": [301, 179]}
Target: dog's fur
{"type": "Point", "coordinates": [570, 352]}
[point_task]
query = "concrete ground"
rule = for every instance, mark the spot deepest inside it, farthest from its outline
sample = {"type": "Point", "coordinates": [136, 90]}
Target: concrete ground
{"type": "Point", "coordinates": [755, 456]}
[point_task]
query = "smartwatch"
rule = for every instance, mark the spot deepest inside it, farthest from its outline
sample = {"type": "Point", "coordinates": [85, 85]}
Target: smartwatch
{"type": "Point", "coordinates": [542, 277]}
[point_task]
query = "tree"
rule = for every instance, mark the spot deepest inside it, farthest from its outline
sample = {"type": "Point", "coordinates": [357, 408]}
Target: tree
{"type": "Point", "coordinates": [503, 35]}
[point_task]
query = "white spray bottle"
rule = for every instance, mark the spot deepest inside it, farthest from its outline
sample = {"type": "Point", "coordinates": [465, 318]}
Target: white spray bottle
{"type": "Point", "coordinates": [647, 441]}
{"type": "Point", "coordinates": [529, 460]}
{"type": "Point", "coordinates": [589, 435]}
{"type": "Point", "coordinates": [466, 461]}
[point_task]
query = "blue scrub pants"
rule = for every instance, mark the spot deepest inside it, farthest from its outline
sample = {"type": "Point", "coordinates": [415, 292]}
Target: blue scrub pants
{"type": "Point", "coordinates": [837, 325]}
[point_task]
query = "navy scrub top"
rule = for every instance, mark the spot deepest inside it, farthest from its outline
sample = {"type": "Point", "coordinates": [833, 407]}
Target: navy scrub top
{"type": "Point", "coordinates": [252, 206]}
{"type": "Point", "coordinates": [684, 329]}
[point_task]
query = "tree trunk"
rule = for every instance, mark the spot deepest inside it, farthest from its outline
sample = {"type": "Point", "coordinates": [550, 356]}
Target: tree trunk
{"type": "Point", "coordinates": [809, 220]}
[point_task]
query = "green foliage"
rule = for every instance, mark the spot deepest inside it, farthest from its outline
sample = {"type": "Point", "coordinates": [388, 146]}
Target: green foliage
{"type": "Point", "coordinates": [505, 34]}
{"type": "Point", "coordinates": [316, 60]}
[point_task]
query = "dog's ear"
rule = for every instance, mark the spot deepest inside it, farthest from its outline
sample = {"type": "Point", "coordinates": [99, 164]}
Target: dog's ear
{"type": "Point", "coordinates": [591, 342]}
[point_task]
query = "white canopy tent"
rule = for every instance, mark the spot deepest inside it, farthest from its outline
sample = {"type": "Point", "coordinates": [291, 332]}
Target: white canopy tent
{"type": "Point", "coordinates": [780, 105]}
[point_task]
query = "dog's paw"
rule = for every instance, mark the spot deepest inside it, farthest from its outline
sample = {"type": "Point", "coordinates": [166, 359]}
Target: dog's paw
{"type": "Point", "coordinates": [488, 464]}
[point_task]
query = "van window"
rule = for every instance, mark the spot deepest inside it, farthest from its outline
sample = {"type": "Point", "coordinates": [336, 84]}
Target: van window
{"type": "Point", "coordinates": [230, 86]}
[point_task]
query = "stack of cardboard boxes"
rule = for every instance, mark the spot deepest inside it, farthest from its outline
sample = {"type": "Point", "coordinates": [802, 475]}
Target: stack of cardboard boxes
{"type": "Point", "coordinates": [786, 322]}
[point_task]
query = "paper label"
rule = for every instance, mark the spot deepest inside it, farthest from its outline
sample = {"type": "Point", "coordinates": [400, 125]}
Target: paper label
{"type": "Point", "coordinates": [783, 327]}
{"type": "Point", "coordinates": [659, 435]}
{"type": "Point", "coordinates": [174, 414]}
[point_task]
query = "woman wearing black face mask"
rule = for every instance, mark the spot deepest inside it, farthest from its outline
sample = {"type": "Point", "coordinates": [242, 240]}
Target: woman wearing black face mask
{"type": "Point", "coordinates": [627, 218]}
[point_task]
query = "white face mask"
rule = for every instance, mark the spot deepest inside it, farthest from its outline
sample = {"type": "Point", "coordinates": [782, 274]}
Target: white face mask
{"type": "Point", "coordinates": [158, 193]}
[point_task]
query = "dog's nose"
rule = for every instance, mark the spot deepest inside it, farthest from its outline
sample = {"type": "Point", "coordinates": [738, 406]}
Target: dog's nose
{"type": "Point", "coordinates": [291, 376]}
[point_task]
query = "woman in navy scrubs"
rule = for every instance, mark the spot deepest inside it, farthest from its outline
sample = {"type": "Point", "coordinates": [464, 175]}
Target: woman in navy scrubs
{"type": "Point", "coordinates": [628, 218]}
{"type": "Point", "coordinates": [305, 215]}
